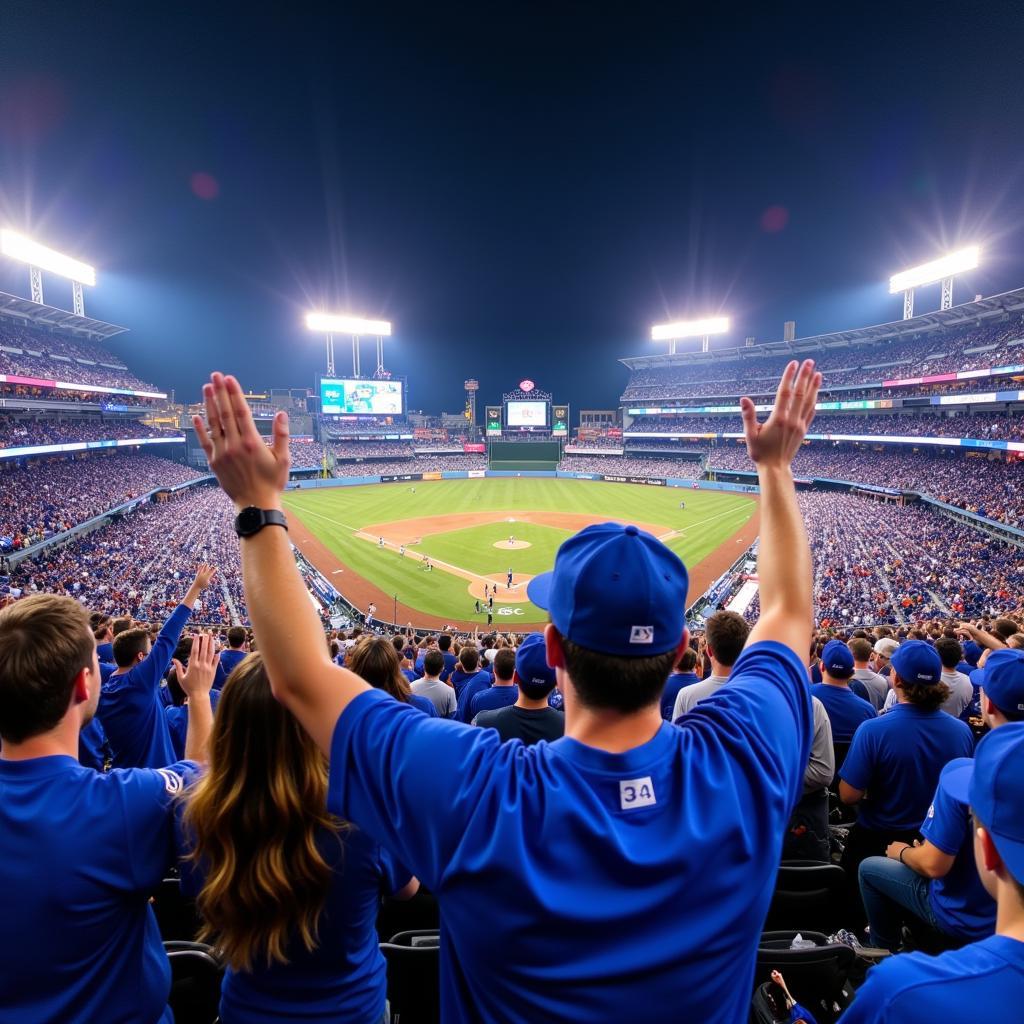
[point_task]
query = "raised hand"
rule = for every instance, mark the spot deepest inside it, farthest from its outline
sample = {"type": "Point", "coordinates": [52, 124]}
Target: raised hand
{"type": "Point", "coordinates": [249, 471]}
{"type": "Point", "coordinates": [777, 440]}
{"type": "Point", "coordinates": [204, 574]}
{"type": "Point", "coordinates": [198, 678]}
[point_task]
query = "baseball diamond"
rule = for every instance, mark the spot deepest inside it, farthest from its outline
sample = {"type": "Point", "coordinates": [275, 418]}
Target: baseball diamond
{"type": "Point", "coordinates": [463, 527]}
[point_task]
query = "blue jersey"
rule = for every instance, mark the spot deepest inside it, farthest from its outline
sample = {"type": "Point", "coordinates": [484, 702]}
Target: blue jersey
{"type": "Point", "coordinates": [130, 709]}
{"type": "Point", "coordinates": [897, 759]}
{"type": "Point", "coordinates": [105, 651]}
{"type": "Point", "coordinates": [675, 683]}
{"type": "Point", "coordinates": [425, 704]}
{"type": "Point", "coordinates": [480, 682]}
{"type": "Point", "coordinates": [450, 661]}
{"type": "Point", "coordinates": [540, 856]}
{"type": "Point", "coordinates": [345, 977]}
{"type": "Point", "coordinates": [230, 660]}
{"type": "Point", "coordinates": [93, 748]}
{"type": "Point", "coordinates": [845, 710]}
{"type": "Point", "coordinates": [460, 680]}
{"type": "Point", "coordinates": [80, 854]}
{"type": "Point", "coordinates": [980, 982]}
{"type": "Point", "coordinates": [959, 901]}
{"type": "Point", "coordinates": [492, 699]}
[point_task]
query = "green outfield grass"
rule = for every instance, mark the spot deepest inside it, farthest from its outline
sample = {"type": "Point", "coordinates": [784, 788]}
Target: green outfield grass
{"type": "Point", "coordinates": [334, 515]}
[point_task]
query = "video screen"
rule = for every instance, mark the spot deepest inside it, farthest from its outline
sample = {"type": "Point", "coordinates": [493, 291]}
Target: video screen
{"type": "Point", "coordinates": [361, 397]}
{"type": "Point", "coordinates": [527, 414]}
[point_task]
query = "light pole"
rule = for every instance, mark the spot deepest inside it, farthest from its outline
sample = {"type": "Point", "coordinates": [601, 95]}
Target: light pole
{"type": "Point", "coordinates": [343, 323]}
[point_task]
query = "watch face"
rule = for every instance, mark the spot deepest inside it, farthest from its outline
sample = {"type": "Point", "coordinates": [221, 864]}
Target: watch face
{"type": "Point", "coordinates": [249, 520]}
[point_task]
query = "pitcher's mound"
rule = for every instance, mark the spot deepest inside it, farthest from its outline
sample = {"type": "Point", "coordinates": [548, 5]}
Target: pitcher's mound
{"type": "Point", "coordinates": [504, 595]}
{"type": "Point", "coordinates": [512, 545]}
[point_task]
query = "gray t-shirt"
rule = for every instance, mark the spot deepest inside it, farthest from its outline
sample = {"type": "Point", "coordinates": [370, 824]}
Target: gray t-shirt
{"type": "Point", "coordinates": [441, 695]}
{"type": "Point", "coordinates": [876, 685]}
{"type": "Point", "coordinates": [689, 695]}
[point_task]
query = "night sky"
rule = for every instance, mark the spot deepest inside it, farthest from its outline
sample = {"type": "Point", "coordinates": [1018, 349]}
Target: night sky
{"type": "Point", "coordinates": [521, 188]}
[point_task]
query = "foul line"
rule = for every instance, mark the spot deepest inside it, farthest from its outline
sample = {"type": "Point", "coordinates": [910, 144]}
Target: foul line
{"type": "Point", "coordinates": [702, 522]}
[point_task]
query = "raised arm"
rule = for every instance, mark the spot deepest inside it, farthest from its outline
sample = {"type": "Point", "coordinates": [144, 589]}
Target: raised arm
{"type": "Point", "coordinates": [287, 629]}
{"type": "Point", "coordinates": [197, 681]}
{"type": "Point", "coordinates": [784, 557]}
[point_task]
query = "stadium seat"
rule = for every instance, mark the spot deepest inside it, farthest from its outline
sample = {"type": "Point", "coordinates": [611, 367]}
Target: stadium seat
{"type": "Point", "coordinates": [817, 977]}
{"type": "Point", "coordinates": [195, 982]}
{"type": "Point", "coordinates": [414, 990]}
{"type": "Point", "coordinates": [419, 913]}
{"type": "Point", "coordinates": [808, 894]}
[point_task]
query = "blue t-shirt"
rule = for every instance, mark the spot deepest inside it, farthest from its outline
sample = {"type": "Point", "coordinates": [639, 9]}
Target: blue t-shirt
{"type": "Point", "coordinates": [845, 710]}
{"type": "Point", "coordinates": [959, 900]}
{"type": "Point", "coordinates": [493, 698]}
{"type": "Point", "coordinates": [460, 679]}
{"type": "Point", "coordinates": [410, 674]}
{"type": "Point", "coordinates": [980, 982]}
{"type": "Point", "coordinates": [80, 854]}
{"type": "Point", "coordinates": [130, 709]}
{"type": "Point", "coordinates": [177, 722]}
{"type": "Point", "coordinates": [345, 977]}
{"type": "Point", "coordinates": [675, 683]}
{"type": "Point", "coordinates": [450, 661]}
{"type": "Point", "coordinates": [425, 704]}
{"type": "Point", "coordinates": [230, 660]}
{"type": "Point", "coordinates": [93, 748]}
{"type": "Point", "coordinates": [576, 884]}
{"type": "Point", "coordinates": [480, 682]}
{"type": "Point", "coordinates": [897, 760]}
{"type": "Point", "coordinates": [105, 652]}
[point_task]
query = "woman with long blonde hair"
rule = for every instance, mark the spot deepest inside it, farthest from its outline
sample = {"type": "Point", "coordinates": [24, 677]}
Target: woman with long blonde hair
{"type": "Point", "coordinates": [288, 894]}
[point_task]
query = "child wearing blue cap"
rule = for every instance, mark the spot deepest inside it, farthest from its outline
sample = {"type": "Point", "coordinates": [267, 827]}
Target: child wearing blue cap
{"type": "Point", "coordinates": [609, 872]}
{"type": "Point", "coordinates": [985, 980]}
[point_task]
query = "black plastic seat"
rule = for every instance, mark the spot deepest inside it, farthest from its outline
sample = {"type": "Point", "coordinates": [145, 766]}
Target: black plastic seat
{"type": "Point", "coordinates": [196, 974]}
{"type": "Point", "coordinates": [817, 977]}
{"type": "Point", "coordinates": [414, 985]}
{"type": "Point", "coordinates": [808, 894]}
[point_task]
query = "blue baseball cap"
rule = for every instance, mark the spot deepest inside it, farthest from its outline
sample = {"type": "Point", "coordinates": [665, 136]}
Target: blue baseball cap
{"type": "Point", "coordinates": [616, 590]}
{"type": "Point", "coordinates": [915, 662]}
{"type": "Point", "coordinates": [1002, 679]}
{"type": "Point", "coordinates": [972, 652]}
{"type": "Point", "coordinates": [994, 788]}
{"type": "Point", "coordinates": [837, 659]}
{"type": "Point", "coordinates": [532, 670]}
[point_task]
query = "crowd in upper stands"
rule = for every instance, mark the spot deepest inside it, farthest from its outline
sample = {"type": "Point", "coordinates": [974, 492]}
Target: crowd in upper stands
{"type": "Point", "coordinates": [375, 449]}
{"type": "Point", "coordinates": [38, 501]}
{"type": "Point", "coordinates": [31, 352]}
{"type": "Point", "coordinates": [625, 465]}
{"type": "Point", "coordinates": [20, 432]}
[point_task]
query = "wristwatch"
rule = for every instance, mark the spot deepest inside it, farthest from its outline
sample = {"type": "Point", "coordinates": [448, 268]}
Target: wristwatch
{"type": "Point", "coordinates": [251, 520]}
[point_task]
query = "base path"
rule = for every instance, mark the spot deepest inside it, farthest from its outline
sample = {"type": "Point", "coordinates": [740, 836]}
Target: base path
{"type": "Point", "coordinates": [360, 591]}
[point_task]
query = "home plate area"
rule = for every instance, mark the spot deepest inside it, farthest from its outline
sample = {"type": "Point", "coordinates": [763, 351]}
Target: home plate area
{"type": "Point", "coordinates": [504, 594]}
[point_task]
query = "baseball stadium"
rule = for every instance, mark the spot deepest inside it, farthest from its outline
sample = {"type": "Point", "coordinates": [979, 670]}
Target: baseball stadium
{"type": "Point", "coordinates": [510, 517]}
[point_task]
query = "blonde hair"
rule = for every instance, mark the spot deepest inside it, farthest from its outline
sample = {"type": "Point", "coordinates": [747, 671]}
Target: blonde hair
{"type": "Point", "coordinates": [255, 820]}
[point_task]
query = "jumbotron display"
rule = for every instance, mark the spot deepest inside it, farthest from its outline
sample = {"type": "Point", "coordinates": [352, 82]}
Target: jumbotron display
{"type": "Point", "coordinates": [529, 414]}
{"type": "Point", "coordinates": [344, 396]}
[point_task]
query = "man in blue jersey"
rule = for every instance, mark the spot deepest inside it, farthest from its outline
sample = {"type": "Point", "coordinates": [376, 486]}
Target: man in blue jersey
{"type": "Point", "coordinates": [531, 667]}
{"type": "Point", "coordinates": [234, 654]}
{"type": "Point", "coordinates": [682, 676]}
{"type": "Point", "coordinates": [985, 980]}
{"type": "Point", "coordinates": [504, 666]}
{"type": "Point", "coordinates": [630, 863]}
{"type": "Point", "coordinates": [467, 669]}
{"type": "Point", "coordinates": [845, 709]}
{"type": "Point", "coordinates": [80, 852]}
{"type": "Point", "coordinates": [130, 709]}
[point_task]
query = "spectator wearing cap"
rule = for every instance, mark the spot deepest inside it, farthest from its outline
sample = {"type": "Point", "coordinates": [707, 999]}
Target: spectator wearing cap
{"type": "Point", "coordinates": [531, 664]}
{"type": "Point", "coordinates": [894, 761]}
{"type": "Point", "coordinates": [846, 711]}
{"type": "Point", "coordinates": [936, 881]}
{"type": "Point", "coordinates": [726, 633]}
{"type": "Point", "coordinates": [877, 686]}
{"type": "Point", "coordinates": [683, 675]}
{"type": "Point", "coordinates": [530, 719]}
{"type": "Point", "coordinates": [1001, 683]}
{"type": "Point", "coordinates": [984, 980]}
{"type": "Point", "coordinates": [666, 838]}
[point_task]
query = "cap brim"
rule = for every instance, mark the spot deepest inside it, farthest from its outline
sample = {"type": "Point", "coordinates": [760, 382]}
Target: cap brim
{"type": "Point", "coordinates": [538, 590]}
{"type": "Point", "coordinates": [977, 677]}
{"type": "Point", "coordinates": [956, 779]}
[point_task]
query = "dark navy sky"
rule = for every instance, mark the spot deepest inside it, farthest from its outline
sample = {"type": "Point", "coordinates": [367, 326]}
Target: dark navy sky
{"type": "Point", "coordinates": [521, 188]}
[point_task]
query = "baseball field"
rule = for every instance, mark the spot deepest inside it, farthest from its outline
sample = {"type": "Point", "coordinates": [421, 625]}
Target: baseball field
{"type": "Point", "coordinates": [424, 552]}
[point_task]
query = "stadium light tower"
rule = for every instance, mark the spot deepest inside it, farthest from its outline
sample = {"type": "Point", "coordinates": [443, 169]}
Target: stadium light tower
{"type": "Point", "coordinates": [942, 269]}
{"type": "Point", "coordinates": [343, 323]}
{"type": "Point", "coordinates": [702, 329]}
{"type": "Point", "coordinates": [40, 258]}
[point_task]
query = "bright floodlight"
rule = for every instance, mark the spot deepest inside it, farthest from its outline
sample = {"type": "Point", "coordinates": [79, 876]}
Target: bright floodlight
{"type": "Point", "coordinates": [18, 247]}
{"type": "Point", "coordinates": [690, 329]}
{"type": "Point", "coordinates": [331, 323]}
{"type": "Point", "coordinates": [937, 270]}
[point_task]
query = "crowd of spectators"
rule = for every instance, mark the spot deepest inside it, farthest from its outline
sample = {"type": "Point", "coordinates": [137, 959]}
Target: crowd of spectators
{"type": "Point", "coordinates": [39, 500]}
{"type": "Point", "coordinates": [432, 463]}
{"type": "Point", "coordinates": [983, 426]}
{"type": "Point", "coordinates": [20, 432]}
{"type": "Point", "coordinates": [28, 352]}
{"type": "Point", "coordinates": [376, 450]}
{"type": "Point", "coordinates": [746, 372]}
{"type": "Point", "coordinates": [141, 564]}
{"type": "Point", "coordinates": [305, 454]}
{"type": "Point", "coordinates": [625, 465]}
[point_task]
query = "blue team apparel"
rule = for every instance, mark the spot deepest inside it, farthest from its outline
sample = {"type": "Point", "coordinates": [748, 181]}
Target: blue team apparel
{"type": "Point", "coordinates": [576, 884]}
{"type": "Point", "coordinates": [80, 854]}
{"type": "Point", "coordinates": [676, 682]}
{"type": "Point", "coordinates": [130, 709]}
{"type": "Point", "coordinates": [450, 661]}
{"type": "Point", "coordinates": [493, 699]}
{"type": "Point", "coordinates": [231, 659]}
{"type": "Point", "coordinates": [425, 704]}
{"type": "Point", "coordinates": [846, 711]}
{"type": "Point", "coordinates": [93, 748]}
{"type": "Point", "coordinates": [105, 651]}
{"type": "Point", "coordinates": [345, 977]}
{"type": "Point", "coordinates": [959, 901]}
{"type": "Point", "coordinates": [460, 680]}
{"type": "Point", "coordinates": [478, 684]}
{"type": "Point", "coordinates": [980, 982]}
{"type": "Point", "coordinates": [897, 759]}
{"type": "Point", "coordinates": [1002, 679]}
